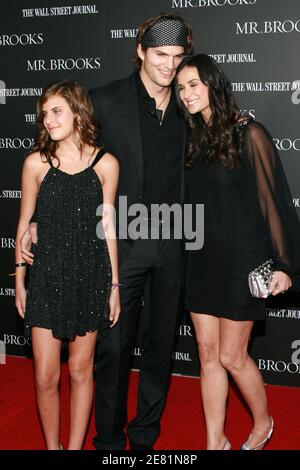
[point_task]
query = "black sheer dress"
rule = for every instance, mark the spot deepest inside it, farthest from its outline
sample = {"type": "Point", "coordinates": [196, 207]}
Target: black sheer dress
{"type": "Point", "coordinates": [70, 280]}
{"type": "Point", "coordinates": [248, 218]}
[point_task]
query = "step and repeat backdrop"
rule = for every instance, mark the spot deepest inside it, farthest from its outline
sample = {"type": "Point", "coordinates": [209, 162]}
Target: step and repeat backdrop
{"type": "Point", "coordinates": [257, 43]}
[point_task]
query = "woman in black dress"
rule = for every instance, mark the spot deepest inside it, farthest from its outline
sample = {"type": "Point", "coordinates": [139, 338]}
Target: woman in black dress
{"type": "Point", "coordinates": [73, 286]}
{"type": "Point", "coordinates": [234, 170]}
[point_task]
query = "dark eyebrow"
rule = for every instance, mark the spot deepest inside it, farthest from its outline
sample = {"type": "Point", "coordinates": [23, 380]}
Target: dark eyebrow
{"type": "Point", "coordinates": [190, 81]}
{"type": "Point", "coordinates": [52, 109]}
{"type": "Point", "coordinates": [164, 53]}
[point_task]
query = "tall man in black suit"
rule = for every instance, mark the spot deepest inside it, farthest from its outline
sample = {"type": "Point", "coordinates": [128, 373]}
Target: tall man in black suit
{"type": "Point", "coordinates": [141, 127]}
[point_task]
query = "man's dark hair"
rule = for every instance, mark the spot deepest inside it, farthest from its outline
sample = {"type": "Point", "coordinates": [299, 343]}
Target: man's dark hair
{"type": "Point", "coordinates": [136, 61]}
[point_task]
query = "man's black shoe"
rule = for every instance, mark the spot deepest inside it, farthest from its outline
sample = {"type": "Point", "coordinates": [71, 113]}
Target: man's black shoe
{"type": "Point", "coordinates": [135, 446]}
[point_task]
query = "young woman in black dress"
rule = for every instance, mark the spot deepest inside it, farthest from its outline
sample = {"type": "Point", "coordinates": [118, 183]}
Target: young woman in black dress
{"type": "Point", "coordinates": [234, 170]}
{"type": "Point", "coordinates": [73, 286]}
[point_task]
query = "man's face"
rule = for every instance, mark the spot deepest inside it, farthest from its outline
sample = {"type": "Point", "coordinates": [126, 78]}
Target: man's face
{"type": "Point", "coordinates": [160, 63]}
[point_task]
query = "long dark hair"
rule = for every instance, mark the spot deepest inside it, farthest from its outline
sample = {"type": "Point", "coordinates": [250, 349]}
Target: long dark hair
{"type": "Point", "coordinates": [86, 126]}
{"type": "Point", "coordinates": [221, 131]}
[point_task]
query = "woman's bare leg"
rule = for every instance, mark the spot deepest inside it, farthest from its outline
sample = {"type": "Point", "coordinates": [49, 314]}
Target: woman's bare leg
{"type": "Point", "coordinates": [81, 361]}
{"type": "Point", "coordinates": [46, 354]}
{"type": "Point", "coordinates": [213, 379]}
{"type": "Point", "coordinates": [234, 339]}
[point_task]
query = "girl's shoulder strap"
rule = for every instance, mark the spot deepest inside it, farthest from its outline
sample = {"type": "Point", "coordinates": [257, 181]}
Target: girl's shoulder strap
{"type": "Point", "coordinates": [98, 157]}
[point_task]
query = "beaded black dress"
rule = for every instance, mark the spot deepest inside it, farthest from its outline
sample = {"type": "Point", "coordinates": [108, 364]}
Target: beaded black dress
{"type": "Point", "coordinates": [248, 218]}
{"type": "Point", "coordinates": [70, 279]}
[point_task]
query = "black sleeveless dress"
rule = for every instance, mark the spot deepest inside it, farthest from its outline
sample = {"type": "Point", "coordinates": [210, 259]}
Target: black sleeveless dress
{"type": "Point", "coordinates": [70, 280]}
{"type": "Point", "coordinates": [248, 218]}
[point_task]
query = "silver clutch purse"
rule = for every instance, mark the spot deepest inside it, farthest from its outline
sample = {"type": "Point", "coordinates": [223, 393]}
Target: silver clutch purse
{"type": "Point", "coordinates": [259, 280]}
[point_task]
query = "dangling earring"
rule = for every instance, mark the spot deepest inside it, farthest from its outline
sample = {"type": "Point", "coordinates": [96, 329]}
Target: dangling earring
{"type": "Point", "coordinates": [79, 122]}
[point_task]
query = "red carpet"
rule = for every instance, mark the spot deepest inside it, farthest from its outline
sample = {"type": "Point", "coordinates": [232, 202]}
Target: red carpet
{"type": "Point", "coordinates": [182, 423]}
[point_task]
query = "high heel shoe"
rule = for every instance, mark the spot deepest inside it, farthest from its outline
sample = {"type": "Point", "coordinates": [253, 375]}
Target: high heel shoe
{"type": "Point", "coordinates": [261, 445]}
{"type": "Point", "coordinates": [226, 445]}
{"type": "Point", "coordinates": [61, 447]}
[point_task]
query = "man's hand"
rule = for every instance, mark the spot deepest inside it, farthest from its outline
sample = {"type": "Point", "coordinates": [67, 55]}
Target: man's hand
{"type": "Point", "coordinates": [28, 237]}
{"type": "Point", "coordinates": [114, 306]}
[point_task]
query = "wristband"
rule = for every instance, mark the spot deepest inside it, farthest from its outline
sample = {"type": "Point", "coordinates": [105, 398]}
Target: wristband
{"type": "Point", "coordinates": [116, 284]}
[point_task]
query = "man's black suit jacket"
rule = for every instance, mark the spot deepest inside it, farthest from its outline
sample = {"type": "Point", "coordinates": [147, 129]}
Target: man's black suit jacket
{"type": "Point", "coordinates": [116, 109]}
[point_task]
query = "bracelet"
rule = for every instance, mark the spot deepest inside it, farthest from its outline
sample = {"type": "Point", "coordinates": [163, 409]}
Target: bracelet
{"type": "Point", "coordinates": [115, 284]}
{"type": "Point", "coordinates": [18, 273]}
{"type": "Point", "coordinates": [20, 265]}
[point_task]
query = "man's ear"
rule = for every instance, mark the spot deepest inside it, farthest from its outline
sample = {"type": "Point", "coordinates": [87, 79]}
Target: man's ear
{"type": "Point", "coordinates": [140, 52]}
